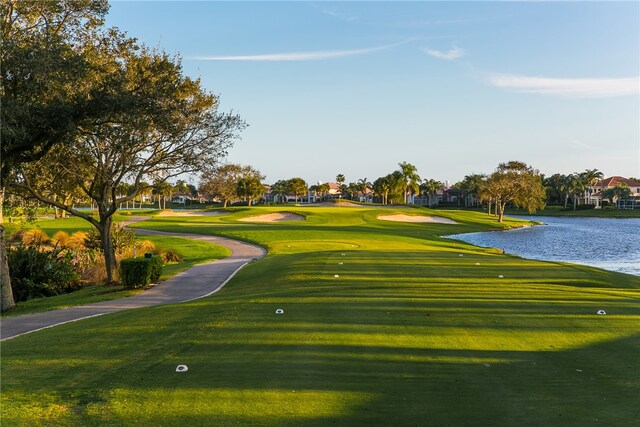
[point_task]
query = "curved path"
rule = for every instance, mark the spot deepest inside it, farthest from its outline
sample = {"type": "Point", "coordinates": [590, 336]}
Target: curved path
{"type": "Point", "coordinates": [197, 282]}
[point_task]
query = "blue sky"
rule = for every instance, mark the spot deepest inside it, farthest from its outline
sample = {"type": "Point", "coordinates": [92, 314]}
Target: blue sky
{"type": "Point", "coordinates": [452, 87]}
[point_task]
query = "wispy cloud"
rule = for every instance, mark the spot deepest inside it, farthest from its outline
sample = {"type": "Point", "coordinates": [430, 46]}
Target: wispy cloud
{"type": "Point", "coordinates": [579, 144]}
{"type": "Point", "coordinates": [300, 56]}
{"type": "Point", "coordinates": [337, 14]}
{"type": "Point", "coordinates": [453, 53]}
{"type": "Point", "coordinates": [576, 88]}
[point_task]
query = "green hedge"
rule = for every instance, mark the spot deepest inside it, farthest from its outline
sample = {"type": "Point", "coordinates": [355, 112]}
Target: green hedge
{"type": "Point", "coordinates": [138, 272]}
{"type": "Point", "coordinates": [156, 267]}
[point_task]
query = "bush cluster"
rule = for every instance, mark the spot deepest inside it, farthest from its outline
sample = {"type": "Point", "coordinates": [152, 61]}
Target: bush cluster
{"type": "Point", "coordinates": [40, 273]}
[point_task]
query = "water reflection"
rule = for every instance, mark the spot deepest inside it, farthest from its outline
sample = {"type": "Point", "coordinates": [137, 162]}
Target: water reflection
{"type": "Point", "coordinates": [609, 243]}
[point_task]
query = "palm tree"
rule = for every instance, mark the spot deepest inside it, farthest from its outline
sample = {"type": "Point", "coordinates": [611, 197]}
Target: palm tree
{"type": "Point", "coordinates": [554, 187]}
{"type": "Point", "coordinates": [411, 178]}
{"type": "Point", "coordinates": [591, 177]}
{"type": "Point", "coordinates": [279, 189]}
{"type": "Point", "coordinates": [470, 187]}
{"type": "Point", "coordinates": [398, 188]}
{"type": "Point", "coordinates": [162, 189]}
{"type": "Point", "coordinates": [363, 185]}
{"type": "Point", "coordinates": [382, 186]}
{"type": "Point", "coordinates": [430, 188]}
{"type": "Point", "coordinates": [618, 193]}
{"type": "Point", "coordinates": [576, 185]}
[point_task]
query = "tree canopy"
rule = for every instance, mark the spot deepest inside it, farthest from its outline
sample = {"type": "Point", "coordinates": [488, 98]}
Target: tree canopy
{"type": "Point", "coordinates": [515, 183]}
{"type": "Point", "coordinates": [136, 116]}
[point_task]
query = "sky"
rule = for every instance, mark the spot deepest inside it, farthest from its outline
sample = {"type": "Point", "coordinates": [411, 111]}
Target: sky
{"type": "Point", "coordinates": [452, 87]}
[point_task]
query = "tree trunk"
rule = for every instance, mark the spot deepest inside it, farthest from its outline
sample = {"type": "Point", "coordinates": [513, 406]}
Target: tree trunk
{"type": "Point", "coordinates": [6, 293]}
{"type": "Point", "coordinates": [107, 248]}
{"type": "Point", "coordinates": [500, 213]}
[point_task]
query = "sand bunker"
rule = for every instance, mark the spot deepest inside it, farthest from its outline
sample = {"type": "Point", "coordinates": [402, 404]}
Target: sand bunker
{"type": "Point", "coordinates": [168, 212]}
{"type": "Point", "coordinates": [274, 217]}
{"type": "Point", "coordinates": [416, 218]}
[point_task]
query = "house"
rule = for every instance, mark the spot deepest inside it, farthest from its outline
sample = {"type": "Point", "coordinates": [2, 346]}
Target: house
{"type": "Point", "coordinates": [366, 197]}
{"type": "Point", "coordinates": [593, 193]}
{"type": "Point", "coordinates": [181, 198]}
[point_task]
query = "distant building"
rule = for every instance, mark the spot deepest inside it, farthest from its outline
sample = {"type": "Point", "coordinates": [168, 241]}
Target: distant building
{"type": "Point", "coordinates": [181, 198]}
{"type": "Point", "coordinates": [593, 193]}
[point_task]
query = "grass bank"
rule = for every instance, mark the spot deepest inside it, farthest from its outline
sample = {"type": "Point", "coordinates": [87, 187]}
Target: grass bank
{"type": "Point", "coordinates": [384, 324]}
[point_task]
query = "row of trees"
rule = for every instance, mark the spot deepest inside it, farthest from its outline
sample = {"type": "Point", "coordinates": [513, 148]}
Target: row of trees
{"type": "Point", "coordinates": [558, 188]}
{"type": "Point", "coordinates": [513, 183]}
{"type": "Point", "coordinates": [230, 182]}
{"type": "Point", "coordinates": [86, 108]}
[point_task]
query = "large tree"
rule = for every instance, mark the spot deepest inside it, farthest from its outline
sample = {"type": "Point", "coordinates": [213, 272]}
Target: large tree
{"type": "Point", "coordinates": [221, 182]}
{"type": "Point", "coordinates": [44, 94]}
{"type": "Point", "coordinates": [250, 186]}
{"type": "Point", "coordinates": [297, 187]}
{"type": "Point", "coordinates": [172, 127]}
{"type": "Point", "coordinates": [518, 184]}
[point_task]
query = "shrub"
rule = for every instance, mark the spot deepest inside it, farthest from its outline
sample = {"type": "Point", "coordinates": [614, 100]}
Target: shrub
{"type": "Point", "coordinates": [60, 239]}
{"type": "Point", "coordinates": [34, 237]}
{"type": "Point", "coordinates": [170, 255]}
{"type": "Point", "coordinates": [121, 237]}
{"type": "Point", "coordinates": [16, 236]}
{"type": "Point", "coordinates": [138, 272]}
{"type": "Point", "coordinates": [37, 273]}
{"type": "Point", "coordinates": [76, 240]}
{"type": "Point", "coordinates": [585, 207]}
{"type": "Point", "coordinates": [135, 272]}
{"type": "Point", "coordinates": [156, 267]}
{"type": "Point", "coordinates": [146, 246]}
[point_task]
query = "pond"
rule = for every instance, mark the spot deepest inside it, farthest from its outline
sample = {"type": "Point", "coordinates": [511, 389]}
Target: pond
{"type": "Point", "coordinates": [608, 243]}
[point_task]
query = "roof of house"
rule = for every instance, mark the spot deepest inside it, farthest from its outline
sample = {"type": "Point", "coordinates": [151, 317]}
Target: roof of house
{"type": "Point", "coordinates": [613, 181]}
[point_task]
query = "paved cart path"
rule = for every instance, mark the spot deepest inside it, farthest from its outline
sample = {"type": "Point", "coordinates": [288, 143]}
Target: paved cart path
{"type": "Point", "coordinates": [197, 282]}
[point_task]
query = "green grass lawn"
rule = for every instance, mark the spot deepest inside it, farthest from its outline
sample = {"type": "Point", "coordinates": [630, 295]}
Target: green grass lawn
{"type": "Point", "coordinates": [409, 333]}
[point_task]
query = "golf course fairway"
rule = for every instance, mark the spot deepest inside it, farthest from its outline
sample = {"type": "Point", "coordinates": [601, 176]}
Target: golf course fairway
{"type": "Point", "coordinates": [383, 323]}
